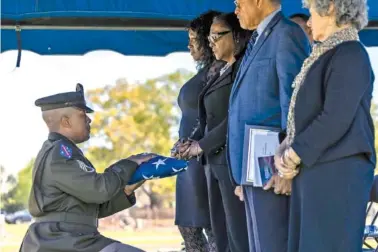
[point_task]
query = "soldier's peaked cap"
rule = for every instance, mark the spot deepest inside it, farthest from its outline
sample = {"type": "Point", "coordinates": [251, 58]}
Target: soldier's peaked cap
{"type": "Point", "coordinates": [64, 100]}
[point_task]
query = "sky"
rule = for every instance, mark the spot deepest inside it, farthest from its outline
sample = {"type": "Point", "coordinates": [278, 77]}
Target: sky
{"type": "Point", "coordinates": [22, 130]}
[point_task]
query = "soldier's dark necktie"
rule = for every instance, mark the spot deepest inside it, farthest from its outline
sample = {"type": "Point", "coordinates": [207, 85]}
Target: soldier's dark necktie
{"type": "Point", "coordinates": [249, 49]}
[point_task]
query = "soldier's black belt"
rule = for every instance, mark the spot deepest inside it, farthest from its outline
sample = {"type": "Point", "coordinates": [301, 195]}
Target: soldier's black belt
{"type": "Point", "coordinates": [68, 217]}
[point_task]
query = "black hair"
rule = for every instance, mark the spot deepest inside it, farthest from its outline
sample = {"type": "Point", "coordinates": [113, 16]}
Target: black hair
{"type": "Point", "coordinates": [201, 26]}
{"type": "Point", "coordinates": [240, 36]}
{"type": "Point", "coordinates": [302, 16]}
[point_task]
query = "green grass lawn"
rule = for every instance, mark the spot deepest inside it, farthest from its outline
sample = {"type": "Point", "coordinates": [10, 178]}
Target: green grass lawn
{"type": "Point", "coordinates": [149, 240]}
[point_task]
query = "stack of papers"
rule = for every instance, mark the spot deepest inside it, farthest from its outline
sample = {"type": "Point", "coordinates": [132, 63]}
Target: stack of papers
{"type": "Point", "coordinates": [260, 145]}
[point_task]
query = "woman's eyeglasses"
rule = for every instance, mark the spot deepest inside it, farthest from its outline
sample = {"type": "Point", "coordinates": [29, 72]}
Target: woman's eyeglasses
{"type": "Point", "coordinates": [216, 36]}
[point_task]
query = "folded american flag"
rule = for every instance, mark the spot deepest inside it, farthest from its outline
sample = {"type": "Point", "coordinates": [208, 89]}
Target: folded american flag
{"type": "Point", "coordinates": [158, 167]}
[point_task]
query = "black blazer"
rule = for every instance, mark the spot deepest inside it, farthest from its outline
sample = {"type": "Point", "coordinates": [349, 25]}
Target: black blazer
{"type": "Point", "coordinates": [332, 112]}
{"type": "Point", "coordinates": [213, 114]}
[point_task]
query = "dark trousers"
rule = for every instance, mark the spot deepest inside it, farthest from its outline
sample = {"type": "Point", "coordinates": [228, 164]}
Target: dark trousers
{"type": "Point", "coordinates": [268, 220]}
{"type": "Point", "coordinates": [328, 206]}
{"type": "Point", "coordinates": [227, 212]}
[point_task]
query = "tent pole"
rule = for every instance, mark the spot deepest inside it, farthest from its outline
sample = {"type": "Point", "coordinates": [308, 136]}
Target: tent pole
{"type": "Point", "coordinates": [19, 45]}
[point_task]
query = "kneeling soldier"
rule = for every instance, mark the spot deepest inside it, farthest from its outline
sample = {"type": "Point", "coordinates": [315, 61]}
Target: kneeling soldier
{"type": "Point", "coordinates": [68, 195]}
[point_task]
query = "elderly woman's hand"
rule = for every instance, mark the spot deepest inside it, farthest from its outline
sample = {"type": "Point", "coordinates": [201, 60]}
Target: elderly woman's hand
{"type": "Point", "coordinates": [287, 165]}
{"type": "Point", "coordinates": [290, 158]}
{"type": "Point", "coordinates": [286, 170]}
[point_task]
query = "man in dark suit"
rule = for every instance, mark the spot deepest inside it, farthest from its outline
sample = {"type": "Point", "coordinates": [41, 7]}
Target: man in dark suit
{"type": "Point", "coordinates": [260, 96]}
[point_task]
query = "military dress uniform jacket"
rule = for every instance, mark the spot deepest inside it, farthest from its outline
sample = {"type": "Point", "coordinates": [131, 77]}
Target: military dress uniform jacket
{"type": "Point", "coordinates": [68, 196]}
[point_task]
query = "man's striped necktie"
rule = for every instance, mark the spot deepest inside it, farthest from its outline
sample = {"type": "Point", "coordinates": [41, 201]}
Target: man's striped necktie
{"type": "Point", "coordinates": [249, 49]}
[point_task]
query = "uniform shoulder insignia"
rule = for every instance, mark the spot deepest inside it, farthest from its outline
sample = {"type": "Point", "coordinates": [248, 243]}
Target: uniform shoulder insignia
{"type": "Point", "coordinates": [65, 150]}
{"type": "Point", "coordinates": [85, 167]}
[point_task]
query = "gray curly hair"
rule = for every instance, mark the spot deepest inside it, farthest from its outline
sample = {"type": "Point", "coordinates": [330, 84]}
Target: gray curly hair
{"type": "Point", "coordinates": [354, 12]}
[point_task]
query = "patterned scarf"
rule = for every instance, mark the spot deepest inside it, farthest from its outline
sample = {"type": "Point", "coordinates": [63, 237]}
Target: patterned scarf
{"type": "Point", "coordinates": [348, 34]}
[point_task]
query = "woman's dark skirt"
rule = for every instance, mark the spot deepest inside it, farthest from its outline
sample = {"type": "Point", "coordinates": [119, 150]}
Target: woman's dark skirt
{"type": "Point", "coordinates": [192, 203]}
{"type": "Point", "coordinates": [328, 206]}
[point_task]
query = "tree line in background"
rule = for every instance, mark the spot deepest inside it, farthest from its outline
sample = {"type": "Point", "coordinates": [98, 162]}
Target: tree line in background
{"type": "Point", "coordinates": [16, 197]}
{"type": "Point", "coordinates": [129, 119]}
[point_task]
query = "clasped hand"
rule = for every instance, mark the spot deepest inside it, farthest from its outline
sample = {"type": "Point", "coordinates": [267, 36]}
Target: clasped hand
{"type": "Point", "coordinates": [286, 161]}
{"type": "Point", "coordinates": [186, 149]}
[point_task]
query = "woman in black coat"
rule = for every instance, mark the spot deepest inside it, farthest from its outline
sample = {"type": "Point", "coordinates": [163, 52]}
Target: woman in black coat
{"type": "Point", "coordinates": [227, 212]}
{"type": "Point", "coordinates": [329, 150]}
{"type": "Point", "coordinates": [192, 207]}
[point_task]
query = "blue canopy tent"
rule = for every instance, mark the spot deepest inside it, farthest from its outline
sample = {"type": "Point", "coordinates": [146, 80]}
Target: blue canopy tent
{"type": "Point", "coordinates": [143, 27]}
